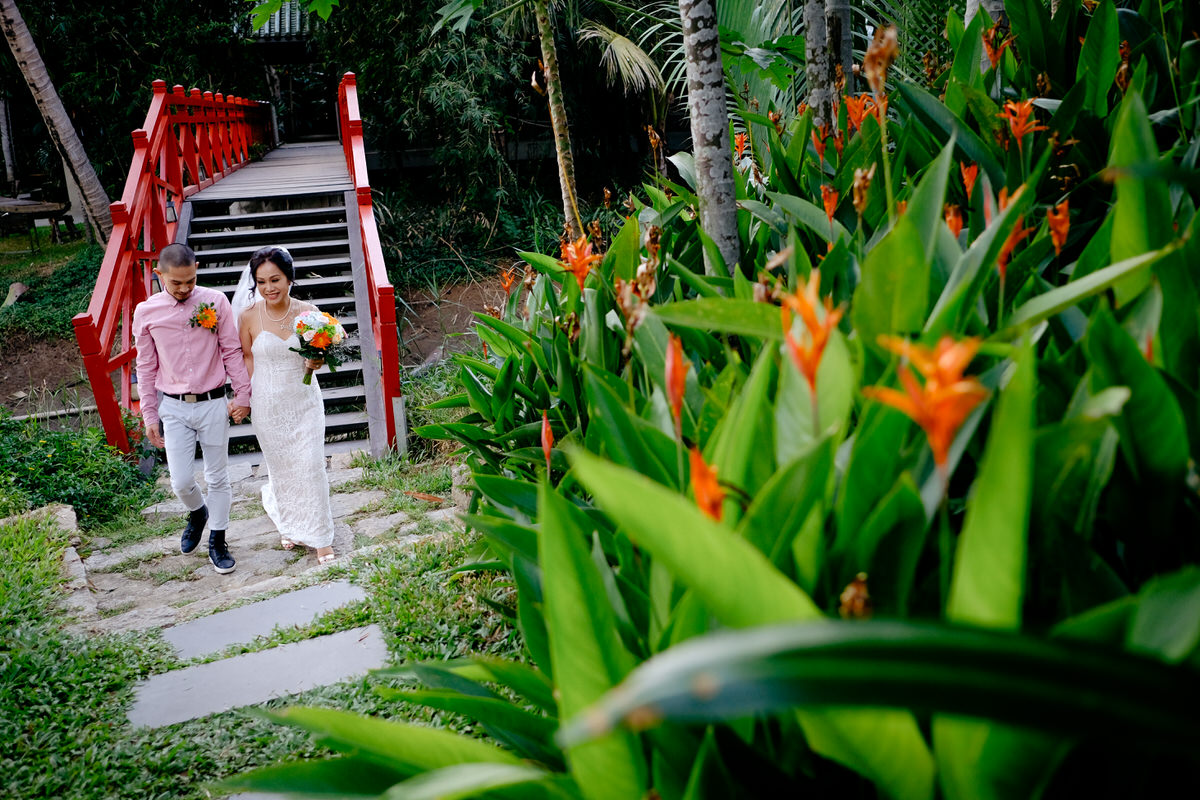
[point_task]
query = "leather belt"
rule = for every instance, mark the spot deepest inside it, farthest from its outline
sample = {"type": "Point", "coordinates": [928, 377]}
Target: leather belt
{"type": "Point", "coordinates": [219, 392]}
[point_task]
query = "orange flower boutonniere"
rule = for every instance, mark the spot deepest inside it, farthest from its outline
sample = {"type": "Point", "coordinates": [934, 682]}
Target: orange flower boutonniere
{"type": "Point", "coordinates": [205, 316]}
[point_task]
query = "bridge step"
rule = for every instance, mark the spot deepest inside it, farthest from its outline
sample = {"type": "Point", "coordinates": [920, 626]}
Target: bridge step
{"type": "Point", "coordinates": [316, 231]}
{"type": "Point", "coordinates": [319, 241]}
{"type": "Point", "coordinates": [241, 254]}
{"type": "Point", "coordinates": [266, 219]}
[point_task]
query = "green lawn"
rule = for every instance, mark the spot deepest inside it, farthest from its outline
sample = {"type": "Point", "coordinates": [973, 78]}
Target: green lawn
{"type": "Point", "coordinates": [63, 696]}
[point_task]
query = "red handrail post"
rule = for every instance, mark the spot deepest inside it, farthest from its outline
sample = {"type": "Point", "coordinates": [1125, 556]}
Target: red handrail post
{"type": "Point", "coordinates": [382, 293]}
{"type": "Point", "coordinates": [178, 136]}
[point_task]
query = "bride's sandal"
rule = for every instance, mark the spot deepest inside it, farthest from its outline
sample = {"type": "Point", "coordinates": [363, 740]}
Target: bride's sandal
{"type": "Point", "coordinates": [325, 558]}
{"type": "Point", "coordinates": [286, 543]}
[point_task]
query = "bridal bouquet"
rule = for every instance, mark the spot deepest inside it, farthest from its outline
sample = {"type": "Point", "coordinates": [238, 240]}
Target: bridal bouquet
{"type": "Point", "coordinates": [321, 336]}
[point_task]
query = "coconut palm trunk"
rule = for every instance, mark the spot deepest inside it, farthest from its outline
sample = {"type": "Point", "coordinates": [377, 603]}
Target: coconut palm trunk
{"type": "Point", "coordinates": [558, 120]}
{"type": "Point", "coordinates": [995, 9]}
{"type": "Point", "coordinates": [710, 130]}
{"type": "Point", "coordinates": [817, 70]}
{"type": "Point", "coordinates": [62, 132]}
{"type": "Point", "coordinates": [6, 148]}
{"type": "Point", "coordinates": [841, 44]}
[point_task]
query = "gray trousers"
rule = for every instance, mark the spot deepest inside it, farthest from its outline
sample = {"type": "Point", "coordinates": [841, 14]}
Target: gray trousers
{"type": "Point", "coordinates": [206, 422]}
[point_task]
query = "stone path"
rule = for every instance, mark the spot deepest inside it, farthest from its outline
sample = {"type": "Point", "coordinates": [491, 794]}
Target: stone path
{"type": "Point", "coordinates": [201, 614]}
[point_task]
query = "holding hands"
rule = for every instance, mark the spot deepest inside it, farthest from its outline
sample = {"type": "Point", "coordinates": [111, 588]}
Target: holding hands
{"type": "Point", "coordinates": [238, 413]}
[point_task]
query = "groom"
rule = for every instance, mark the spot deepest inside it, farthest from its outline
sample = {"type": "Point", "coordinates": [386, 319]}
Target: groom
{"type": "Point", "coordinates": [187, 345]}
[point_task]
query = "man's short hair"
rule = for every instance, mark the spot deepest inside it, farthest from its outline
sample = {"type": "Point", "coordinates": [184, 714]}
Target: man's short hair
{"type": "Point", "coordinates": [176, 255]}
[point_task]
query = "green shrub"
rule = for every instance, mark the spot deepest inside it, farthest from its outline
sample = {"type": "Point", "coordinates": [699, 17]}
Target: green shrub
{"type": "Point", "coordinates": [703, 483]}
{"type": "Point", "coordinates": [40, 466]}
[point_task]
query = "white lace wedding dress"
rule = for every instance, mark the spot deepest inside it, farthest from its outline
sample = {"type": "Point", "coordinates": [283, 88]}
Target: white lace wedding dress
{"type": "Point", "coordinates": [289, 421]}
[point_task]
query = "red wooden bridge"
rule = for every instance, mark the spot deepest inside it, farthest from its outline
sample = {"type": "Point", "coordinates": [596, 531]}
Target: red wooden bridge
{"type": "Point", "coordinates": [197, 177]}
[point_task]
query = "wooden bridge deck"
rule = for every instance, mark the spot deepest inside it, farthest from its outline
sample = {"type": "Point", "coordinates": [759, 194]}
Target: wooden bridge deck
{"type": "Point", "coordinates": [291, 169]}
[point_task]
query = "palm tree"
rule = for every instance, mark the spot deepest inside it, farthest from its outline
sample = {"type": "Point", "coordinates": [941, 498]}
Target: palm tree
{"type": "Point", "coordinates": [62, 132]}
{"type": "Point", "coordinates": [710, 130]}
{"type": "Point", "coordinates": [841, 42]}
{"type": "Point", "coordinates": [816, 56]}
{"type": "Point", "coordinates": [558, 119]}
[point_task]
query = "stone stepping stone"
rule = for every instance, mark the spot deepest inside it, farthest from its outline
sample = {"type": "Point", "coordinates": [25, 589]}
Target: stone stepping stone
{"type": "Point", "coordinates": [254, 678]}
{"type": "Point", "coordinates": [244, 624]}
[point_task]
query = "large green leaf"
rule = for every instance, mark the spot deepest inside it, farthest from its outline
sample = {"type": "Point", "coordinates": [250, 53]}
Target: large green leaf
{"type": "Point", "coordinates": [1047, 684]}
{"type": "Point", "coordinates": [779, 510]}
{"type": "Point", "coordinates": [1151, 424]}
{"type": "Point", "coordinates": [1100, 57]}
{"type": "Point", "coordinates": [989, 571]}
{"type": "Point", "coordinates": [587, 653]}
{"type": "Point", "coordinates": [811, 217]}
{"type": "Point", "coordinates": [931, 112]}
{"type": "Point", "coordinates": [742, 448]}
{"type": "Point", "coordinates": [1057, 300]}
{"type": "Point", "coordinates": [925, 205]}
{"type": "Point", "coordinates": [722, 315]}
{"type": "Point", "coordinates": [480, 780]}
{"type": "Point", "coordinates": [344, 778]}
{"type": "Point", "coordinates": [1167, 620]}
{"type": "Point", "coordinates": [400, 746]}
{"type": "Point", "coordinates": [794, 428]}
{"type": "Point", "coordinates": [1142, 212]}
{"type": "Point", "coordinates": [989, 567]}
{"type": "Point", "coordinates": [887, 547]}
{"type": "Point", "coordinates": [740, 587]}
{"type": "Point", "coordinates": [965, 69]}
{"type": "Point", "coordinates": [892, 297]}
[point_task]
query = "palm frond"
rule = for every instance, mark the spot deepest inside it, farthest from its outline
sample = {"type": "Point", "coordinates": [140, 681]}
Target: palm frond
{"type": "Point", "coordinates": [625, 59]}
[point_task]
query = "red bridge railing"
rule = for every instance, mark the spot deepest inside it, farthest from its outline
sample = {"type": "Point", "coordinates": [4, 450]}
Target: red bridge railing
{"type": "Point", "coordinates": [382, 294]}
{"type": "Point", "coordinates": [188, 142]}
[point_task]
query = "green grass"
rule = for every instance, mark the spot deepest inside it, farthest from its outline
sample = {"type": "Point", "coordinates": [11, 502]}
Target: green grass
{"type": "Point", "coordinates": [58, 290]}
{"type": "Point", "coordinates": [63, 697]}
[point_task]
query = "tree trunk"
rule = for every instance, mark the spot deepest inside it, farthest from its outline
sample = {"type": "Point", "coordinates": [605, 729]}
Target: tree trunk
{"type": "Point", "coordinates": [995, 9]}
{"type": "Point", "coordinates": [62, 132]}
{"type": "Point", "coordinates": [816, 54]}
{"type": "Point", "coordinates": [6, 148]}
{"type": "Point", "coordinates": [841, 44]}
{"type": "Point", "coordinates": [558, 120]}
{"type": "Point", "coordinates": [710, 130]}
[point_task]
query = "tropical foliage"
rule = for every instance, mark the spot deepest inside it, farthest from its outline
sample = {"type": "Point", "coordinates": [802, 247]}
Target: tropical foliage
{"type": "Point", "coordinates": [906, 505]}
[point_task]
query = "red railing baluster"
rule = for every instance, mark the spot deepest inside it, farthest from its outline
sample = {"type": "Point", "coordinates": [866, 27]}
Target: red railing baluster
{"type": "Point", "coordinates": [382, 294]}
{"type": "Point", "coordinates": [183, 134]}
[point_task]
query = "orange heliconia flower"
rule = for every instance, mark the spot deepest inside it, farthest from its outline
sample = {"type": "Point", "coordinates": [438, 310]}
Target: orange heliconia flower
{"type": "Point", "coordinates": [954, 219]}
{"type": "Point", "coordinates": [676, 370]}
{"type": "Point", "coordinates": [1018, 233]}
{"type": "Point", "coordinates": [507, 279]}
{"type": "Point", "coordinates": [577, 258]}
{"type": "Point", "coordinates": [995, 44]}
{"type": "Point", "coordinates": [940, 406]}
{"type": "Point", "coordinates": [1018, 115]}
{"type": "Point", "coordinates": [969, 174]}
{"type": "Point", "coordinates": [829, 198]}
{"type": "Point", "coordinates": [857, 109]}
{"type": "Point", "coordinates": [818, 140]}
{"type": "Point", "coordinates": [1059, 218]}
{"type": "Point", "coordinates": [807, 357]}
{"type": "Point", "coordinates": [709, 494]}
{"type": "Point", "coordinates": [901, 206]}
{"type": "Point", "coordinates": [547, 438]}
{"type": "Point", "coordinates": [321, 340]}
{"type": "Point", "coordinates": [739, 145]}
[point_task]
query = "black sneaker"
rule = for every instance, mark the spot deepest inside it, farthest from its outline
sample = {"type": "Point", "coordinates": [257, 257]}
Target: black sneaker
{"type": "Point", "coordinates": [191, 534]}
{"type": "Point", "coordinates": [218, 553]}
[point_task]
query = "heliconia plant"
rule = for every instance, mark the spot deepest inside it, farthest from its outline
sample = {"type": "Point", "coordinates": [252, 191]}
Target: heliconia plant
{"type": "Point", "coordinates": [908, 506]}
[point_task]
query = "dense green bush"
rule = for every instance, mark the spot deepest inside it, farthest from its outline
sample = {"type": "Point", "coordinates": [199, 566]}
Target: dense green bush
{"type": "Point", "coordinates": [951, 384]}
{"type": "Point", "coordinates": [40, 466]}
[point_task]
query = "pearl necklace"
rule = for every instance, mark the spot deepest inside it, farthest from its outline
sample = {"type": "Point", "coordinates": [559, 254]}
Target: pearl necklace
{"type": "Point", "coordinates": [278, 319]}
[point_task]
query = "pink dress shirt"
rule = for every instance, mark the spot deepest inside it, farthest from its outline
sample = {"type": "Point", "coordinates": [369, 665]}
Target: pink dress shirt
{"type": "Point", "coordinates": [176, 358]}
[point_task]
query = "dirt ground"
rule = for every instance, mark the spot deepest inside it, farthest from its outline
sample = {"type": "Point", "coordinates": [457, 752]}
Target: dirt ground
{"type": "Point", "coordinates": [49, 375]}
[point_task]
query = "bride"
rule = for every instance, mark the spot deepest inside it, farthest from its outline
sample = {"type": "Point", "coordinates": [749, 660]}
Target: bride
{"type": "Point", "coordinates": [289, 417]}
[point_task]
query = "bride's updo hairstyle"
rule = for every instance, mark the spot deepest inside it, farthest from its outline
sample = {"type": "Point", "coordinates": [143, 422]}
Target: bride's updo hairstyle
{"type": "Point", "coordinates": [278, 256]}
